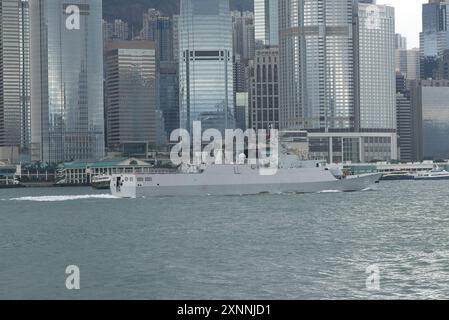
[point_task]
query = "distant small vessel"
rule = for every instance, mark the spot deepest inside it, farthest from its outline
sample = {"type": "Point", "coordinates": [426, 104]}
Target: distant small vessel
{"type": "Point", "coordinates": [398, 175]}
{"type": "Point", "coordinates": [102, 182]}
{"type": "Point", "coordinates": [436, 174]}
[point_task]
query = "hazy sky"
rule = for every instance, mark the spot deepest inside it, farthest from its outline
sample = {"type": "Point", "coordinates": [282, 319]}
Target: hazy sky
{"type": "Point", "coordinates": [408, 18]}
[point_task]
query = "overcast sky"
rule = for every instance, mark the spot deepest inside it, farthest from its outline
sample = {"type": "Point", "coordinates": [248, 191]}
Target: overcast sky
{"type": "Point", "coordinates": [408, 18]}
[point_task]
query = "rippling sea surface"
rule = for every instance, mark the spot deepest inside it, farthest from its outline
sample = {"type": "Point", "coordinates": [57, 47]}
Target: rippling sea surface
{"type": "Point", "coordinates": [315, 246]}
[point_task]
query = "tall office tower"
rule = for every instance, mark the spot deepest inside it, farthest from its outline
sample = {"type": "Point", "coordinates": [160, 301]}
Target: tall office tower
{"type": "Point", "coordinates": [205, 64]}
{"type": "Point", "coordinates": [264, 90]}
{"type": "Point", "coordinates": [316, 65]}
{"type": "Point", "coordinates": [407, 62]}
{"type": "Point", "coordinates": [149, 24]}
{"type": "Point", "coordinates": [434, 38]}
{"type": "Point", "coordinates": [243, 35]}
{"type": "Point", "coordinates": [400, 42]}
{"type": "Point", "coordinates": [121, 29]}
{"type": "Point", "coordinates": [158, 28]}
{"type": "Point", "coordinates": [429, 98]}
{"type": "Point", "coordinates": [67, 116]}
{"type": "Point", "coordinates": [15, 126]}
{"type": "Point", "coordinates": [405, 127]}
{"type": "Point", "coordinates": [375, 68]}
{"type": "Point", "coordinates": [323, 90]}
{"type": "Point", "coordinates": [131, 95]}
{"type": "Point", "coordinates": [266, 22]}
{"type": "Point", "coordinates": [407, 121]}
{"type": "Point", "coordinates": [169, 95]}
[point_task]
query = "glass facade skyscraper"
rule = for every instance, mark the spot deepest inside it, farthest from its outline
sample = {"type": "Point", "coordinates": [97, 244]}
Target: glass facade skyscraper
{"type": "Point", "coordinates": [316, 64]}
{"type": "Point", "coordinates": [375, 68]}
{"type": "Point", "coordinates": [131, 95]}
{"type": "Point", "coordinates": [264, 90]}
{"type": "Point", "coordinates": [67, 80]}
{"type": "Point", "coordinates": [430, 99]}
{"type": "Point", "coordinates": [205, 64]}
{"type": "Point", "coordinates": [435, 35]}
{"type": "Point", "coordinates": [266, 24]}
{"type": "Point", "coordinates": [158, 28]}
{"type": "Point", "coordinates": [169, 96]}
{"type": "Point", "coordinates": [14, 74]}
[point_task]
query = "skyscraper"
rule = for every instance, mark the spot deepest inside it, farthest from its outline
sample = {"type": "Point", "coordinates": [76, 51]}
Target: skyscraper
{"type": "Point", "coordinates": [169, 95]}
{"type": "Point", "coordinates": [325, 89]}
{"type": "Point", "coordinates": [243, 35]}
{"type": "Point", "coordinates": [316, 64]}
{"type": "Point", "coordinates": [264, 90]}
{"type": "Point", "coordinates": [266, 22]}
{"type": "Point", "coordinates": [108, 31]}
{"type": "Point", "coordinates": [408, 63]}
{"type": "Point", "coordinates": [131, 95]}
{"type": "Point", "coordinates": [375, 67]}
{"type": "Point", "coordinates": [67, 80]}
{"type": "Point", "coordinates": [409, 121]}
{"type": "Point", "coordinates": [400, 42]}
{"type": "Point", "coordinates": [14, 75]}
{"type": "Point", "coordinates": [434, 38]}
{"type": "Point", "coordinates": [121, 30]}
{"type": "Point", "coordinates": [205, 64]}
{"type": "Point", "coordinates": [158, 28]}
{"type": "Point", "coordinates": [430, 99]}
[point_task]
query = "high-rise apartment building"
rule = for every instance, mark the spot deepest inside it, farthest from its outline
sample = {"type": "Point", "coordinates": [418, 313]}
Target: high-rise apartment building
{"type": "Point", "coordinates": [131, 95]}
{"type": "Point", "coordinates": [108, 31]}
{"type": "Point", "coordinates": [15, 126]}
{"type": "Point", "coordinates": [206, 64]}
{"type": "Point", "coordinates": [121, 29]}
{"type": "Point", "coordinates": [67, 116]}
{"type": "Point", "coordinates": [266, 22]}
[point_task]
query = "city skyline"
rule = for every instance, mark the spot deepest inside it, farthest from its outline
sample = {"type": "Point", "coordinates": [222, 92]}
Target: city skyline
{"type": "Point", "coordinates": [327, 68]}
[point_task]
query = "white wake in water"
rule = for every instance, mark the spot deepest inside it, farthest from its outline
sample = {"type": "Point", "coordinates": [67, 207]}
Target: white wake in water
{"type": "Point", "coordinates": [330, 191]}
{"type": "Point", "coordinates": [64, 198]}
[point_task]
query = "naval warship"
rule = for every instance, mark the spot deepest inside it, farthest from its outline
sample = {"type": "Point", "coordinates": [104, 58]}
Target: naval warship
{"type": "Point", "coordinates": [241, 179]}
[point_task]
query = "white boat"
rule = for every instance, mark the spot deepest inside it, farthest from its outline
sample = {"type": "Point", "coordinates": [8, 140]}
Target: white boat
{"type": "Point", "coordinates": [398, 175]}
{"type": "Point", "coordinates": [101, 182]}
{"type": "Point", "coordinates": [436, 174]}
{"type": "Point", "coordinates": [244, 179]}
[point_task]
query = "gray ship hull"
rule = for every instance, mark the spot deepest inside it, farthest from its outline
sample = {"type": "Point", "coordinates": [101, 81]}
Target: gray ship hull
{"type": "Point", "coordinates": [236, 181]}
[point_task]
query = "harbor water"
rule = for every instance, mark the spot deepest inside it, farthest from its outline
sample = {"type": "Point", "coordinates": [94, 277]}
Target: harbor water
{"type": "Point", "coordinates": [315, 246]}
